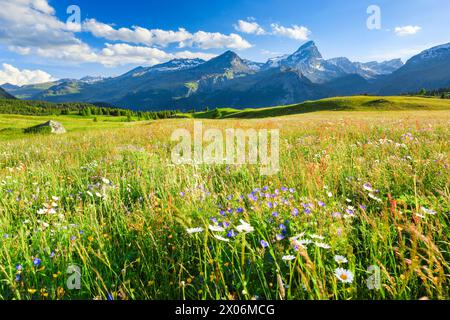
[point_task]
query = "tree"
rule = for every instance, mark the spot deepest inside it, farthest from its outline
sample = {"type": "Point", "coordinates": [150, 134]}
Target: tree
{"type": "Point", "coordinates": [423, 92]}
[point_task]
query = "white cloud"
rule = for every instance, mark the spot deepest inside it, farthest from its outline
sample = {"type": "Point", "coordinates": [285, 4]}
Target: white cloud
{"type": "Point", "coordinates": [30, 27]}
{"type": "Point", "coordinates": [151, 37]}
{"type": "Point", "coordinates": [25, 23]}
{"type": "Point", "coordinates": [117, 54]}
{"type": "Point", "coordinates": [136, 35]}
{"type": "Point", "coordinates": [295, 32]}
{"type": "Point", "coordinates": [407, 30]}
{"type": "Point", "coordinates": [250, 27]}
{"type": "Point", "coordinates": [194, 55]}
{"type": "Point", "coordinates": [209, 40]}
{"type": "Point", "coordinates": [122, 54]}
{"type": "Point", "coordinates": [12, 75]}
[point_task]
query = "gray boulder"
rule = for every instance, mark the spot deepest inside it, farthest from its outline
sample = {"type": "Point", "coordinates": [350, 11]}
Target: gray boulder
{"type": "Point", "coordinates": [48, 127]}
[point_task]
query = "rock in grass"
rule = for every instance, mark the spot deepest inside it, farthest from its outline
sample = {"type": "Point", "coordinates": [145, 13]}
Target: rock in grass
{"type": "Point", "coordinates": [48, 127]}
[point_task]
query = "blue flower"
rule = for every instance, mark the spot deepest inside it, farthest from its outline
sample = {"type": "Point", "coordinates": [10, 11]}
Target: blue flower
{"type": "Point", "coordinates": [239, 210]}
{"type": "Point", "coordinates": [231, 234]}
{"type": "Point", "coordinates": [264, 244]}
{"type": "Point", "coordinates": [275, 214]}
{"type": "Point", "coordinates": [295, 212]}
{"type": "Point", "coordinates": [36, 262]}
{"type": "Point", "coordinates": [19, 267]}
{"type": "Point", "coordinates": [321, 204]}
{"type": "Point", "coordinates": [18, 278]}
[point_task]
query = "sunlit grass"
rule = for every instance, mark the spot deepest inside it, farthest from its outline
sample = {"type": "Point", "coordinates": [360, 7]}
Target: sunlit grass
{"type": "Point", "coordinates": [371, 187]}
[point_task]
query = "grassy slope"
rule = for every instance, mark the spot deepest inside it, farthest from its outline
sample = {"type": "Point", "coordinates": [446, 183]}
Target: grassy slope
{"type": "Point", "coordinates": [11, 126]}
{"type": "Point", "coordinates": [356, 103]}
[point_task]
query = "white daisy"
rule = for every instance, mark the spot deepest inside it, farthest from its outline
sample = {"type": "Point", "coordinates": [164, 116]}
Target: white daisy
{"type": "Point", "coordinates": [340, 259]}
{"type": "Point", "coordinates": [428, 211]}
{"type": "Point", "coordinates": [343, 275]}
{"type": "Point", "coordinates": [323, 245]}
{"type": "Point", "coordinates": [373, 197]}
{"type": "Point", "coordinates": [301, 235]}
{"type": "Point", "coordinates": [221, 238]}
{"type": "Point", "coordinates": [288, 258]}
{"type": "Point", "coordinates": [216, 229]}
{"type": "Point", "coordinates": [245, 227]}
{"type": "Point", "coordinates": [317, 237]}
{"type": "Point", "coordinates": [194, 230]}
{"type": "Point", "coordinates": [302, 243]}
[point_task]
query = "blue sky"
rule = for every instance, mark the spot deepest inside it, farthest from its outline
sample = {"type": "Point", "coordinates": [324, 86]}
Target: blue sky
{"type": "Point", "coordinates": [115, 36]}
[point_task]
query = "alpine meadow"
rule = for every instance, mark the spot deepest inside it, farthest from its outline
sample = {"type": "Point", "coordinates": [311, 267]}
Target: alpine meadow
{"type": "Point", "coordinates": [334, 186]}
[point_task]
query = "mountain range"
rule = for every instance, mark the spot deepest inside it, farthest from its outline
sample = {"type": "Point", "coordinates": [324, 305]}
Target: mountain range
{"type": "Point", "coordinates": [230, 81]}
{"type": "Point", "coordinates": [5, 95]}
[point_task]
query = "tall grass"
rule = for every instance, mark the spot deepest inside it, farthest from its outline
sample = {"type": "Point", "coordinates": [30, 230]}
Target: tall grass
{"type": "Point", "coordinates": [372, 188]}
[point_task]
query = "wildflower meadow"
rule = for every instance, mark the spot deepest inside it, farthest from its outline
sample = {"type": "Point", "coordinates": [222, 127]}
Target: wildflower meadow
{"type": "Point", "coordinates": [358, 210]}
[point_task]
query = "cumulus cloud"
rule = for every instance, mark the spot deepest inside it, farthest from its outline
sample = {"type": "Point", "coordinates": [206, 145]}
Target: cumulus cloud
{"type": "Point", "coordinates": [294, 32]}
{"type": "Point", "coordinates": [123, 53]}
{"type": "Point", "coordinates": [12, 75]}
{"type": "Point", "coordinates": [407, 30]}
{"type": "Point", "coordinates": [210, 40]}
{"type": "Point", "coordinates": [30, 27]}
{"type": "Point", "coordinates": [27, 23]}
{"type": "Point", "coordinates": [151, 37]}
{"type": "Point", "coordinates": [250, 27]}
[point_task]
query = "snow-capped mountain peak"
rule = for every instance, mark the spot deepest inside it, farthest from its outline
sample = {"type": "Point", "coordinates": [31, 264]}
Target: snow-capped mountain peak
{"type": "Point", "coordinates": [433, 53]}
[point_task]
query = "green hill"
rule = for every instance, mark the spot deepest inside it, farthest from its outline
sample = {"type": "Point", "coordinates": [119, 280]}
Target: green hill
{"type": "Point", "coordinates": [355, 103]}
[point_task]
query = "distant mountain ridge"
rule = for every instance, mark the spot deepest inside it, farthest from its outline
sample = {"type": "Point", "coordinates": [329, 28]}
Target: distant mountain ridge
{"type": "Point", "coordinates": [230, 81]}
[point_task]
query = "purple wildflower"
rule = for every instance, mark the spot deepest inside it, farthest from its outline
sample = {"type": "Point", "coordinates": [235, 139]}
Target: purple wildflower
{"type": "Point", "coordinates": [36, 262]}
{"type": "Point", "coordinates": [231, 234]}
{"type": "Point", "coordinates": [264, 244]}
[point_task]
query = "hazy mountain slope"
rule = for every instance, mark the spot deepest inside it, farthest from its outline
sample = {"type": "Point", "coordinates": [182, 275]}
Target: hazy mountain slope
{"type": "Point", "coordinates": [429, 69]}
{"type": "Point", "coordinates": [5, 95]}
